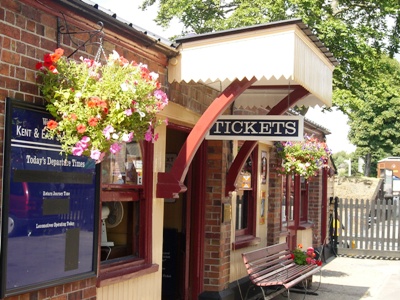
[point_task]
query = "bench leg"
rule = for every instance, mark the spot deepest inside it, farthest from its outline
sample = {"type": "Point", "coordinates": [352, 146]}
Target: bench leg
{"type": "Point", "coordinates": [273, 294]}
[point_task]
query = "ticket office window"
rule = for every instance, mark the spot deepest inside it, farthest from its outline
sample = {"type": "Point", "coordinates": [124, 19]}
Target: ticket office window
{"type": "Point", "coordinates": [246, 208]}
{"type": "Point", "coordinates": [287, 202]}
{"type": "Point", "coordinates": [304, 200]}
{"type": "Point", "coordinates": [124, 209]}
{"type": "Point", "coordinates": [288, 207]}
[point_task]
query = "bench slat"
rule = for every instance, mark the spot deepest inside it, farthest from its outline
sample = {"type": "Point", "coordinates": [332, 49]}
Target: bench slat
{"type": "Point", "coordinates": [264, 252]}
{"type": "Point", "coordinates": [284, 274]}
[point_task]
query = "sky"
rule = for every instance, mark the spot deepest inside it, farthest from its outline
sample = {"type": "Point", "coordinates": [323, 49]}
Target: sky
{"type": "Point", "coordinates": [335, 121]}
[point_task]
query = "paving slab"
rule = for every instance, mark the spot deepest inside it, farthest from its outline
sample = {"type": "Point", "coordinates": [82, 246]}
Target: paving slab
{"type": "Point", "coordinates": [347, 278]}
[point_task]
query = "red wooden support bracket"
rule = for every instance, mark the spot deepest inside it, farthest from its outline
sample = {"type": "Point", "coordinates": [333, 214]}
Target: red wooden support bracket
{"type": "Point", "coordinates": [170, 184]}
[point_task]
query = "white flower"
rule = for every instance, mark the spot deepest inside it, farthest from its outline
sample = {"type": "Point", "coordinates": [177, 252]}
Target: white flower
{"type": "Point", "coordinates": [124, 87]}
{"type": "Point", "coordinates": [153, 75]}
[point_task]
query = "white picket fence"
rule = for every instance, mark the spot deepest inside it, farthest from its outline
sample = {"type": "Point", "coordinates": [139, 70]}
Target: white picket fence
{"type": "Point", "coordinates": [368, 226]}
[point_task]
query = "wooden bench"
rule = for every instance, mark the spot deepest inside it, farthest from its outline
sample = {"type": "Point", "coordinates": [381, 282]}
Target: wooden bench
{"type": "Point", "coordinates": [273, 270]}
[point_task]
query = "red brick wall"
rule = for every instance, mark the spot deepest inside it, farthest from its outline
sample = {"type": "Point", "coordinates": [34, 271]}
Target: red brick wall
{"type": "Point", "coordinates": [28, 30]}
{"type": "Point", "coordinates": [193, 96]}
{"type": "Point", "coordinates": [79, 290]}
{"type": "Point", "coordinates": [217, 234]}
{"type": "Point", "coordinates": [315, 207]}
{"type": "Point", "coordinates": [275, 200]}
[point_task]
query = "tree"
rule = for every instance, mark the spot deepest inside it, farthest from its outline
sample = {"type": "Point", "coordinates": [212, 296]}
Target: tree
{"type": "Point", "coordinates": [341, 160]}
{"type": "Point", "coordinates": [378, 114]}
{"type": "Point", "coordinates": [360, 34]}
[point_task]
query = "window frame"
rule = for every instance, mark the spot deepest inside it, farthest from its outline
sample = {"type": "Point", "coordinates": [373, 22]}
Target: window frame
{"type": "Point", "coordinates": [130, 267]}
{"type": "Point", "coordinates": [245, 237]}
{"type": "Point", "coordinates": [304, 201]}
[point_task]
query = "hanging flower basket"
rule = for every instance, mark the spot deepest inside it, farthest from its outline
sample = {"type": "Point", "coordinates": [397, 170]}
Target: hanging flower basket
{"type": "Point", "coordinates": [303, 158]}
{"type": "Point", "coordinates": [96, 106]}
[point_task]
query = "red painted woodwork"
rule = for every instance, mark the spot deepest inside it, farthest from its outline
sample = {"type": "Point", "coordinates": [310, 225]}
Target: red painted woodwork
{"type": "Point", "coordinates": [248, 146]}
{"type": "Point", "coordinates": [148, 157]}
{"type": "Point", "coordinates": [237, 165]}
{"type": "Point", "coordinates": [198, 216]}
{"type": "Point", "coordinates": [297, 199]}
{"type": "Point", "coordinates": [171, 184]}
{"type": "Point", "coordinates": [324, 208]}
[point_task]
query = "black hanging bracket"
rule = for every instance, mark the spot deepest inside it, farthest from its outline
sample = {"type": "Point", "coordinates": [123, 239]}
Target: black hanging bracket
{"type": "Point", "coordinates": [92, 35]}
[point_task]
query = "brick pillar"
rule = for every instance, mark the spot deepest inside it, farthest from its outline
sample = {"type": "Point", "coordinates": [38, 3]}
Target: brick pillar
{"type": "Point", "coordinates": [315, 207]}
{"type": "Point", "coordinates": [217, 235]}
{"type": "Point", "coordinates": [275, 200]}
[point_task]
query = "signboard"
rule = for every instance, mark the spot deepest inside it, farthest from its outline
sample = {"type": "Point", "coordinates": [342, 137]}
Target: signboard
{"type": "Point", "coordinates": [257, 128]}
{"type": "Point", "coordinates": [49, 209]}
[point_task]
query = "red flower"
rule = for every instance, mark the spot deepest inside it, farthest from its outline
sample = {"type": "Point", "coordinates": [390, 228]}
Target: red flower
{"type": "Point", "coordinates": [47, 64]}
{"type": "Point", "coordinates": [39, 65]}
{"type": "Point", "coordinates": [53, 69]}
{"type": "Point", "coordinates": [52, 124]}
{"type": "Point", "coordinates": [91, 103]}
{"type": "Point", "coordinates": [47, 58]}
{"type": "Point", "coordinates": [102, 103]}
{"type": "Point", "coordinates": [92, 121]}
{"type": "Point", "coordinates": [81, 128]}
{"type": "Point", "coordinates": [56, 55]}
{"type": "Point", "coordinates": [319, 263]}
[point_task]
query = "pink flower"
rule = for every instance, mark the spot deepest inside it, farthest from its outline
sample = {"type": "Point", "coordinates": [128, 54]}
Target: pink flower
{"type": "Point", "coordinates": [115, 148]}
{"type": "Point", "coordinates": [160, 95]}
{"type": "Point", "coordinates": [85, 141]}
{"type": "Point", "coordinates": [107, 131]}
{"type": "Point", "coordinates": [128, 112]}
{"type": "Point", "coordinates": [148, 135]}
{"type": "Point", "coordinates": [127, 137]}
{"type": "Point", "coordinates": [77, 151]}
{"type": "Point", "coordinates": [95, 154]}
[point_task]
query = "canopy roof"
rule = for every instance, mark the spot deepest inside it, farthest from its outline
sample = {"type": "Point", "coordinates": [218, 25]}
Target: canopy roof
{"type": "Point", "coordinates": [280, 55]}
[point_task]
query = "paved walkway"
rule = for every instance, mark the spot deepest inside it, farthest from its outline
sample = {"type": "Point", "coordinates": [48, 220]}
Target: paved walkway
{"type": "Point", "coordinates": [345, 278]}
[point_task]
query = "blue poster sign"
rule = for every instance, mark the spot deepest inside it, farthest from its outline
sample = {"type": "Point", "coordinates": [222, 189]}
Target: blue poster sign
{"type": "Point", "coordinates": [49, 206]}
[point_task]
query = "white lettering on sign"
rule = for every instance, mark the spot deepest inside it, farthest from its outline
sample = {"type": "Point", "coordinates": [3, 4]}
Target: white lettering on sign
{"type": "Point", "coordinates": [272, 128]}
{"type": "Point", "coordinates": [55, 225]}
{"type": "Point", "coordinates": [247, 127]}
{"type": "Point", "coordinates": [21, 131]}
{"type": "Point", "coordinates": [49, 161]}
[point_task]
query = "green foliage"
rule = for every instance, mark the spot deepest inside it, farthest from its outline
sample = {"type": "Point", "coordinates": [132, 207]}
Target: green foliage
{"type": "Point", "coordinates": [299, 256]}
{"type": "Point", "coordinates": [378, 115]}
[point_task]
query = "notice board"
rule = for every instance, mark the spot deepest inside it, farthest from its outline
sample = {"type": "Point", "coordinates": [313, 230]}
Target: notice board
{"type": "Point", "coordinates": [49, 208]}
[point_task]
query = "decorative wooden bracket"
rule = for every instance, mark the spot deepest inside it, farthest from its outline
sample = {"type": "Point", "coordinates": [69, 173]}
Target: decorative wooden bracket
{"type": "Point", "coordinates": [170, 184]}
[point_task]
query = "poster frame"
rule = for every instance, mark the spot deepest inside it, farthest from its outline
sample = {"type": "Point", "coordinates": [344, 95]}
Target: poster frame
{"type": "Point", "coordinates": [10, 105]}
